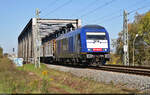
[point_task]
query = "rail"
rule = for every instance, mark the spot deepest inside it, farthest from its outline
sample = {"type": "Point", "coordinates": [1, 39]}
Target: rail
{"type": "Point", "coordinates": [137, 70]}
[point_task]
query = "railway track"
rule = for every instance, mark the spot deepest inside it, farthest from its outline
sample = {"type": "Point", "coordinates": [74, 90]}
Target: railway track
{"type": "Point", "coordinates": [137, 70]}
{"type": "Point", "coordinates": [140, 67]}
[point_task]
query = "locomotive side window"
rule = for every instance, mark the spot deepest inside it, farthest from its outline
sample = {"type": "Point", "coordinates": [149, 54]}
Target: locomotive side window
{"type": "Point", "coordinates": [71, 44]}
{"type": "Point", "coordinates": [78, 43]}
{"type": "Point", "coordinates": [96, 36]}
{"type": "Point", "coordinates": [65, 44]}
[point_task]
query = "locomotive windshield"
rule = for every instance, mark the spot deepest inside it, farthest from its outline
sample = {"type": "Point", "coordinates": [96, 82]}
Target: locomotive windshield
{"type": "Point", "coordinates": [96, 36]}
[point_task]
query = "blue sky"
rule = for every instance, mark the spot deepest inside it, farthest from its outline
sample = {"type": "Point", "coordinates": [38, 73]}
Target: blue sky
{"type": "Point", "coordinates": [15, 14]}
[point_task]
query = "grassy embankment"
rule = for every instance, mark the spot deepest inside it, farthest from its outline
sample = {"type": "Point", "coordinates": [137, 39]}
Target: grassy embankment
{"type": "Point", "coordinates": [27, 79]}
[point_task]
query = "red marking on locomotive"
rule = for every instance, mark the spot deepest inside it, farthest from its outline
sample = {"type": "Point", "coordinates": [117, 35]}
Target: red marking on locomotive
{"type": "Point", "coordinates": [97, 49]}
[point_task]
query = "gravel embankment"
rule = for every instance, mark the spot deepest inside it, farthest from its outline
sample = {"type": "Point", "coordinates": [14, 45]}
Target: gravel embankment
{"type": "Point", "coordinates": [128, 80]}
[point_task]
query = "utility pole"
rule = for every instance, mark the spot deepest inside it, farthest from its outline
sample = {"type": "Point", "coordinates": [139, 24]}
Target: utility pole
{"type": "Point", "coordinates": [134, 48]}
{"type": "Point", "coordinates": [38, 39]}
{"type": "Point", "coordinates": [125, 39]}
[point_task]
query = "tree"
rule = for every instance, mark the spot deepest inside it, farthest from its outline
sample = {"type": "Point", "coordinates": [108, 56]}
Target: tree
{"type": "Point", "coordinates": [144, 31]}
{"type": "Point", "coordinates": [1, 52]}
{"type": "Point", "coordinates": [141, 26]}
{"type": "Point", "coordinates": [144, 27]}
{"type": "Point", "coordinates": [117, 44]}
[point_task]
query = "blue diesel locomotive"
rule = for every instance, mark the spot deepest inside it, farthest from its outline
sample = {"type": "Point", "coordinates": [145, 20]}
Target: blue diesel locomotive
{"type": "Point", "coordinates": [87, 45]}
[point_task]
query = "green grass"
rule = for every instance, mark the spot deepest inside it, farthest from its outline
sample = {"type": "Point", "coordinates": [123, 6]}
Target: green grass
{"type": "Point", "coordinates": [13, 80]}
{"type": "Point", "coordinates": [28, 79]}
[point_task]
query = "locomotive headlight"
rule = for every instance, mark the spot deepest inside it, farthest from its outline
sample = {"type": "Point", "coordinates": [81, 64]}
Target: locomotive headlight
{"type": "Point", "coordinates": [105, 49]}
{"type": "Point", "coordinates": [89, 49]}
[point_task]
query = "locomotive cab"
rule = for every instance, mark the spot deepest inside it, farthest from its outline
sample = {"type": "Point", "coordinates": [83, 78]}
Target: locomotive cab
{"type": "Point", "coordinates": [95, 43]}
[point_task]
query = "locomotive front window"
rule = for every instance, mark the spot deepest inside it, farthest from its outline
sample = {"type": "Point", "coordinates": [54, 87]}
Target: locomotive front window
{"type": "Point", "coordinates": [96, 36]}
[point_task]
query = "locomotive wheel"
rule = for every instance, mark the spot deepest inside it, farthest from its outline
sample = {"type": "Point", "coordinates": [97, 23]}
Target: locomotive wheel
{"type": "Point", "coordinates": [100, 64]}
{"type": "Point", "coordinates": [75, 62]}
{"type": "Point", "coordinates": [86, 65]}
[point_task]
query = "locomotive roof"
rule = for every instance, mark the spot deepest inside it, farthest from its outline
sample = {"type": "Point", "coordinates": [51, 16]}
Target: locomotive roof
{"type": "Point", "coordinates": [93, 26]}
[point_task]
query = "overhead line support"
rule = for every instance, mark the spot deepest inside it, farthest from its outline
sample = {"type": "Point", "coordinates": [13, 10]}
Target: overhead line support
{"type": "Point", "coordinates": [125, 39]}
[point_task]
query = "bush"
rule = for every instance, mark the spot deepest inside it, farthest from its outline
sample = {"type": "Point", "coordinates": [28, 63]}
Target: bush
{"type": "Point", "coordinates": [1, 52]}
{"type": "Point", "coordinates": [115, 59]}
{"type": "Point", "coordinates": [5, 54]}
{"type": "Point", "coordinates": [15, 81]}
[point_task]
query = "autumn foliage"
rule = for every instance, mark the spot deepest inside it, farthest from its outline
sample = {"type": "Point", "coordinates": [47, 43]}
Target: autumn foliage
{"type": "Point", "coordinates": [140, 26]}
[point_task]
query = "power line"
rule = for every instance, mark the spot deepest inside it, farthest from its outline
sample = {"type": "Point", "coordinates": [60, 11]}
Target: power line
{"type": "Point", "coordinates": [59, 7]}
{"type": "Point", "coordinates": [137, 3]}
{"type": "Point", "coordinates": [116, 12]}
{"type": "Point", "coordinates": [49, 5]}
{"type": "Point", "coordinates": [110, 19]}
{"type": "Point", "coordinates": [87, 6]}
{"type": "Point", "coordinates": [138, 9]}
{"type": "Point", "coordinates": [99, 7]}
{"type": "Point", "coordinates": [108, 15]}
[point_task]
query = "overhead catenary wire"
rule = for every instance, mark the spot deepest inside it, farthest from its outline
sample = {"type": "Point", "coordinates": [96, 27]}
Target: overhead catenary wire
{"type": "Point", "coordinates": [49, 5]}
{"type": "Point", "coordinates": [103, 17]}
{"type": "Point", "coordinates": [59, 7]}
{"type": "Point", "coordinates": [143, 7]}
{"type": "Point", "coordinates": [118, 11]}
{"type": "Point", "coordinates": [112, 18]}
{"type": "Point", "coordinates": [87, 6]}
{"type": "Point", "coordinates": [99, 7]}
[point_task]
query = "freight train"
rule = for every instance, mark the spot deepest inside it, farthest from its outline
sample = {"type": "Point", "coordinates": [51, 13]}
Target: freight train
{"type": "Point", "coordinates": [87, 45]}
